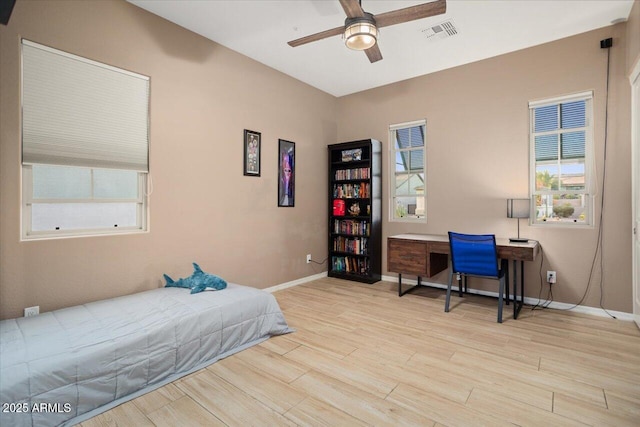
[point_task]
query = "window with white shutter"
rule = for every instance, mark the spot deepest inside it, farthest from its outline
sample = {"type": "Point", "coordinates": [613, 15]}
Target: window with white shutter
{"type": "Point", "coordinates": [408, 171]}
{"type": "Point", "coordinates": [85, 146]}
{"type": "Point", "coordinates": [561, 167]}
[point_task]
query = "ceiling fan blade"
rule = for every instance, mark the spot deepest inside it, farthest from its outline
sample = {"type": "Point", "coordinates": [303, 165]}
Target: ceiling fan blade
{"type": "Point", "coordinates": [373, 53]}
{"type": "Point", "coordinates": [412, 13]}
{"type": "Point", "coordinates": [352, 8]}
{"type": "Point", "coordinates": [316, 37]}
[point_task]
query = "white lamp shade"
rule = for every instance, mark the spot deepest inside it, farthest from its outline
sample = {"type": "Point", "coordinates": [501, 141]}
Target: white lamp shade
{"type": "Point", "coordinates": [361, 35]}
{"type": "Point", "coordinates": [518, 208]}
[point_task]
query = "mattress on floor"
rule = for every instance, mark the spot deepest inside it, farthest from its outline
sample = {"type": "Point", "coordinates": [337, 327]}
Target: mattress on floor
{"type": "Point", "coordinates": [68, 365]}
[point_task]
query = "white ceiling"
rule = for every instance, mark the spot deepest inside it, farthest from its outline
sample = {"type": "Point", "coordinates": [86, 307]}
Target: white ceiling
{"type": "Point", "coordinates": [260, 29]}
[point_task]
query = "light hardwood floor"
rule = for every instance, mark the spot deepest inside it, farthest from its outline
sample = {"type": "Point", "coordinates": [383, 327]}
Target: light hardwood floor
{"type": "Point", "coordinates": [362, 356]}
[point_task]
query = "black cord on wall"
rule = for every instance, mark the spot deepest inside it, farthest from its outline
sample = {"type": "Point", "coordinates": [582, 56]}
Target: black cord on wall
{"type": "Point", "coordinates": [604, 44]}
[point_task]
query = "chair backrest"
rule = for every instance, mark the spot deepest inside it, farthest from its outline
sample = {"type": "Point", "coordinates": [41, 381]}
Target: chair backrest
{"type": "Point", "coordinates": [474, 254]}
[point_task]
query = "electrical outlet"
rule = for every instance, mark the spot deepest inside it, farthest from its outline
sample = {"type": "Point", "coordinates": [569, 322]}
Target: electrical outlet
{"type": "Point", "coordinates": [551, 277]}
{"type": "Point", "coordinates": [308, 258]}
{"type": "Point", "coordinates": [32, 311]}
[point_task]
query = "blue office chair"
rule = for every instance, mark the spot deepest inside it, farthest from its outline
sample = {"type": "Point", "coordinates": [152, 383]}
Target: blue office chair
{"type": "Point", "coordinates": [475, 255]}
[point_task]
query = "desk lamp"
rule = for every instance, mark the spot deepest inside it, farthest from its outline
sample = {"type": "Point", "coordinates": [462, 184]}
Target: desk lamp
{"type": "Point", "coordinates": [518, 208]}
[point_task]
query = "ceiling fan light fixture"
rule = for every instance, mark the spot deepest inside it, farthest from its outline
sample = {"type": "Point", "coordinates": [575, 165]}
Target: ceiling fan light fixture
{"type": "Point", "coordinates": [360, 33]}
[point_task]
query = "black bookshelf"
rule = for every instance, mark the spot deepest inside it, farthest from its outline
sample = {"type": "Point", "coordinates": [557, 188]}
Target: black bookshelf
{"type": "Point", "coordinates": [355, 211]}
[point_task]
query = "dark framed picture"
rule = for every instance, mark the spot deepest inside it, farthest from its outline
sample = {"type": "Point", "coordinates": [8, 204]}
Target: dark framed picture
{"type": "Point", "coordinates": [286, 173]}
{"type": "Point", "coordinates": [352, 155]}
{"type": "Point", "coordinates": [252, 153]}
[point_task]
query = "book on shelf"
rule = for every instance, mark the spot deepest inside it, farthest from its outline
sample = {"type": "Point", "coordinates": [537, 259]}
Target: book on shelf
{"type": "Point", "coordinates": [352, 191]}
{"type": "Point", "coordinates": [352, 174]}
{"type": "Point", "coordinates": [349, 264]}
{"type": "Point", "coordinates": [353, 227]}
{"type": "Point", "coordinates": [357, 245]}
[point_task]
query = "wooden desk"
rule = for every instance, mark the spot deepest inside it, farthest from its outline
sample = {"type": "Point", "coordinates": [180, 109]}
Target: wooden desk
{"type": "Point", "coordinates": [428, 254]}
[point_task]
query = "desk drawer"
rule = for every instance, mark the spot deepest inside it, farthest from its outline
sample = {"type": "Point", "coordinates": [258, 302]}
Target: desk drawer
{"type": "Point", "coordinates": [407, 257]}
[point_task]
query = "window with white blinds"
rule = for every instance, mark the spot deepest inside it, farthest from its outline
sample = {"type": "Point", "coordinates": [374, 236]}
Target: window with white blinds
{"type": "Point", "coordinates": [408, 171]}
{"type": "Point", "coordinates": [85, 145]}
{"type": "Point", "coordinates": [78, 112]}
{"type": "Point", "coordinates": [561, 159]}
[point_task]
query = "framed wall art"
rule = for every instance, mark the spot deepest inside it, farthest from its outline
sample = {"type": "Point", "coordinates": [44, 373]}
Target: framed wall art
{"type": "Point", "coordinates": [286, 173]}
{"type": "Point", "coordinates": [252, 149]}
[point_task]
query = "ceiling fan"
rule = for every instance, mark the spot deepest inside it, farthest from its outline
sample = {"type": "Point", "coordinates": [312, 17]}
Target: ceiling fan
{"type": "Point", "coordinates": [360, 29]}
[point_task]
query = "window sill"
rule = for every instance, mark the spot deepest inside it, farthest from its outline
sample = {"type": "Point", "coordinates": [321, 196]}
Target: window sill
{"type": "Point", "coordinates": [55, 236]}
{"type": "Point", "coordinates": [561, 224]}
{"type": "Point", "coordinates": [421, 220]}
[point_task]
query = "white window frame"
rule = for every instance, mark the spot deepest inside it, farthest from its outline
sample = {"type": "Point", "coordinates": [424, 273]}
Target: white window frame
{"type": "Point", "coordinates": [126, 149]}
{"type": "Point", "coordinates": [28, 201]}
{"type": "Point", "coordinates": [589, 161]}
{"type": "Point", "coordinates": [392, 174]}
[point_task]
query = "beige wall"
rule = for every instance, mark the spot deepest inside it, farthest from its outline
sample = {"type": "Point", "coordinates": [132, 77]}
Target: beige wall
{"type": "Point", "coordinates": [202, 208]}
{"type": "Point", "coordinates": [633, 36]}
{"type": "Point", "coordinates": [478, 153]}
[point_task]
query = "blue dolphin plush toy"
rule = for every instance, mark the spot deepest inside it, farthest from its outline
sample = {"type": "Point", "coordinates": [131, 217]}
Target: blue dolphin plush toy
{"type": "Point", "coordinates": [198, 281]}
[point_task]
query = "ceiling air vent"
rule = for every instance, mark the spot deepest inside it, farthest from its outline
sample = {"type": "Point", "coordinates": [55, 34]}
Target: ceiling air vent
{"type": "Point", "coordinates": [442, 30]}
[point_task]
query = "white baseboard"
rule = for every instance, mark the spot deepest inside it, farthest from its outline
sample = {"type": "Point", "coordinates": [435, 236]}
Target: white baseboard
{"type": "Point", "coordinates": [596, 311]}
{"type": "Point", "coordinates": [296, 282]}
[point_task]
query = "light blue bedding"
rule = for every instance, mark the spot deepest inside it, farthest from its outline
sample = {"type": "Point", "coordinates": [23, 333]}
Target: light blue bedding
{"type": "Point", "coordinates": [65, 366]}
